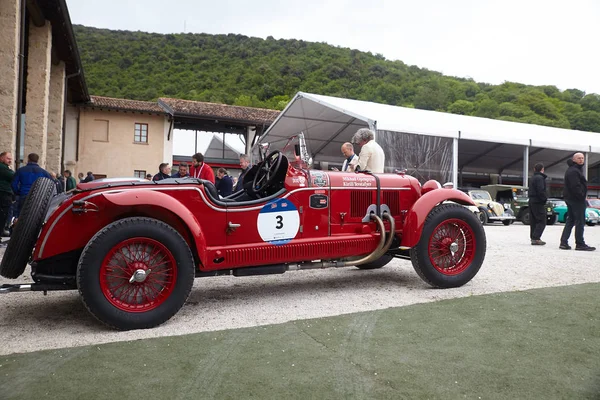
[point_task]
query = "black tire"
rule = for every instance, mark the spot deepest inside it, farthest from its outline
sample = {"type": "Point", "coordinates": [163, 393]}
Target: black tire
{"type": "Point", "coordinates": [483, 216]}
{"type": "Point", "coordinates": [27, 229]}
{"type": "Point", "coordinates": [420, 253]}
{"type": "Point", "coordinates": [552, 220]}
{"type": "Point", "coordinates": [92, 258]}
{"type": "Point", "coordinates": [380, 262]}
{"type": "Point", "coordinates": [525, 217]}
{"type": "Point", "coordinates": [590, 223]}
{"type": "Point", "coordinates": [507, 222]}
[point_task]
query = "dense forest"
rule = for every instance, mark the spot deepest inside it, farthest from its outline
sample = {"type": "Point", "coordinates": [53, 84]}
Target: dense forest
{"type": "Point", "coordinates": [239, 70]}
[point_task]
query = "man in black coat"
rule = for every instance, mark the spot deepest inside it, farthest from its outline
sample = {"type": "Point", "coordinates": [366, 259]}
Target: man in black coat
{"type": "Point", "coordinates": [537, 205]}
{"type": "Point", "coordinates": [575, 192]}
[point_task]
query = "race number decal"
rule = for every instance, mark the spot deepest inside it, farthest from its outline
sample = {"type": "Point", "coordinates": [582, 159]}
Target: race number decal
{"type": "Point", "coordinates": [278, 222]}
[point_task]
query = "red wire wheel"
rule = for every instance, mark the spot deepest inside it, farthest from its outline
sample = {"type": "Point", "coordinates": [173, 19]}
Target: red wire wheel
{"type": "Point", "coordinates": [452, 246]}
{"type": "Point", "coordinates": [138, 275]}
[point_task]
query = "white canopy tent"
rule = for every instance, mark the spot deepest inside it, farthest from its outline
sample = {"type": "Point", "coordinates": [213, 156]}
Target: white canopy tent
{"type": "Point", "coordinates": [457, 142]}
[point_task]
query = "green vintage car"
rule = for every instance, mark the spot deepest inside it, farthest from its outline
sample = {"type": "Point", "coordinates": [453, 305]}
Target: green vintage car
{"type": "Point", "coordinates": [592, 215]}
{"type": "Point", "coordinates": [515, 198]}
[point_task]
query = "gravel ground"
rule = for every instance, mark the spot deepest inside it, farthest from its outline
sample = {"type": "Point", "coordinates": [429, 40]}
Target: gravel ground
{"type": "Point", "coordinates": [32, 321]}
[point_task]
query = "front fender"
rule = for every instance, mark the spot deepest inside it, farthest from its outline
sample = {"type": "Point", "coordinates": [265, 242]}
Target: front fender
{"type": "Point", "coordinates": [165, 204]}
{"type": "Point", "coordinates": [415, 219]}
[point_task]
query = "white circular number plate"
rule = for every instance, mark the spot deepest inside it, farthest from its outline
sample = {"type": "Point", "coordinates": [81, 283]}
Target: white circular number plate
{"type": "Point", "coordinates": [278, 222]}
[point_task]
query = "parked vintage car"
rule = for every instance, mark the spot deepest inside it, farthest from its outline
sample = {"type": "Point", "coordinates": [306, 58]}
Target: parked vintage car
{"type": "Point", "coordinates": [132, 249]}
{"type": "Point", "coordinates": [592, 215]}
{"type": "Point", "coordinates": [593, 203]}
{"type": "Point", "coordinates": [515, 198]}
{"type": "Point", "coordinates": [490, 210]}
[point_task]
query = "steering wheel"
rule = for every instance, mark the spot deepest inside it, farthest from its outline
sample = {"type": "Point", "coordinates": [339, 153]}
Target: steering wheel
{"type": "Point", "coordinates": [267, 172]}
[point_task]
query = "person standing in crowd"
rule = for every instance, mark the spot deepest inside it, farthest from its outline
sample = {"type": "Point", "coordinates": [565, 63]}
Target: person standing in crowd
{"type": "Point", "coordinates": [89, 177]}
{"type": "Point", "coordinates": [70, 182]}
{"type": "Point", "coordinates": [24, 178]}
{"type": "Point", "coordinates": [225, 184]}
{"type": "Point", "coordinates": [57, 183]}
{"type": "Point", "coordinates": [574, 193]}
{"type": "Point", "coordinates": [200, 169]}
{"type": "Point", "coordinates": [164, 172]}
{"type": "Point", "coordinates": [537, 205]}
{"type": "Point", "coordinates": [6, 193]}
{"type": "Point", "coordinates": [245, 164]}
{"type": "Point", "coordinates": [149, 177]}
{"type": "Point", "coordinates": [182, 171]}
{"type": "Point", "coordinates": [351, 159]}
{"type": "Point", "coordinates": [80, 177]}
{"type": "Point", "coordinates": [371, 157]}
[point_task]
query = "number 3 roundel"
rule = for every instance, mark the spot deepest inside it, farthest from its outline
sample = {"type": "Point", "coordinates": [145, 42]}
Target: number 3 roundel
{"type": "Point", "coordinates": [278, 222]}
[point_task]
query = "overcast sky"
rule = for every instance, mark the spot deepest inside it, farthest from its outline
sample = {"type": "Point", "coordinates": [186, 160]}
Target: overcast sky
{"type": "Point", "coordinates": [551, 42]}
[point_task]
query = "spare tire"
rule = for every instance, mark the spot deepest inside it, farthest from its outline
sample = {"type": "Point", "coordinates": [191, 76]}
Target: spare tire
{"type": "Point", "coordinates": [27, 229]}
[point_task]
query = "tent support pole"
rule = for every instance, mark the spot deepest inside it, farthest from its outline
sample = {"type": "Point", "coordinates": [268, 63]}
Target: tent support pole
{"type": "Point", "coordinates": [526, 166]}
{"type": "Point", "coordinates": [585, 165]}
{"type": "Point", "coordinates": [455, 162]}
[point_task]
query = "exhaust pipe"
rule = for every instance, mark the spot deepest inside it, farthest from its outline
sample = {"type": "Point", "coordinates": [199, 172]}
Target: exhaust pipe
{"type": "Point", "coordinates": [7, 288]}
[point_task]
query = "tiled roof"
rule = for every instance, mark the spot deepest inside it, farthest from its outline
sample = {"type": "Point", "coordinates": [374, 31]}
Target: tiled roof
{"type": "Point", "coordinates": [219, 111]}
{"type": "Point", "coordinates": [125, 105]}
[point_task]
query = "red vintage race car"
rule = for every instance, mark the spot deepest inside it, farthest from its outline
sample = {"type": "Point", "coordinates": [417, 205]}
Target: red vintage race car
{"type": "Point", "coordinates": [133, 248]}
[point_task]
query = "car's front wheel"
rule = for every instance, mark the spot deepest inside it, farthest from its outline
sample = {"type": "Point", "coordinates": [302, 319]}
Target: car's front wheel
{"type": "Point", "coordinates": [135, 273]}
{"type": "Point", "coordinates": [451, 248]}
{"type": "Point", "coordinates": [552, 219]}
{"type": "Point", "coordinates": [525, 217]}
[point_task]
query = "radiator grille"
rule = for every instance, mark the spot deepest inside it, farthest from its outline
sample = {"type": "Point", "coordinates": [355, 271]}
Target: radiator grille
{"type": "Point", "coordinates": [360, 200]}
{"type": "Point", "coordinates": [392, 199]}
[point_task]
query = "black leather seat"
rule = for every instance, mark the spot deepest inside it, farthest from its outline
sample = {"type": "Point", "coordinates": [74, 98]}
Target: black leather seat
{"type": "Point", "coordinates": [212, 192]}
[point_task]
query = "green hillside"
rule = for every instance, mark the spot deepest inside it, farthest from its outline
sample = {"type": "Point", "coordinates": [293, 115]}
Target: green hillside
{"type": "Point", "coordinates": [239, 70]}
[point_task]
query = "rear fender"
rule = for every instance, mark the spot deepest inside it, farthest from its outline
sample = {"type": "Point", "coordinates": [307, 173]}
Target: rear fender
{"type": "Point", "coordinates": [415, 219]}
{"type": "Point", "coordinates": [164, 208]}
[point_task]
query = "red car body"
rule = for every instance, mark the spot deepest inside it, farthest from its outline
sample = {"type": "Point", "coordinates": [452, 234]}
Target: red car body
{"type": "Point", "coordinates": [94, 239]}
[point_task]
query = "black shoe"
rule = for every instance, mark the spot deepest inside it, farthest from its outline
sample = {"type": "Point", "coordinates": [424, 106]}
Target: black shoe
{"type": "Point", "coordinates": [585, 247]}
{"type": "Point", "coordinates": [564, 247]}
{"type": "Point", "coordinates": [537, 242]}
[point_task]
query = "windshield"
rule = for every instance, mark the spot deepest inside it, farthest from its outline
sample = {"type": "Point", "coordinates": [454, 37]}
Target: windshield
{"type": "Point", "coordinates": [480, 195]}
{"type": "Point", "coordinates": [289, 146]}
{"type": "Point", "coordinates": [594, 202]}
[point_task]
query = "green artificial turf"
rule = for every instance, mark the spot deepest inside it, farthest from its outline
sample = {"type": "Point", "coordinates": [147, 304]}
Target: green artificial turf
{"type": "Point", "coordinates": [538, 344]}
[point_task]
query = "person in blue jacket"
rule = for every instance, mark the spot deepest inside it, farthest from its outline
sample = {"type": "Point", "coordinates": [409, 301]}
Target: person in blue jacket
{"type": "Point", "coordinates": [24, 178]}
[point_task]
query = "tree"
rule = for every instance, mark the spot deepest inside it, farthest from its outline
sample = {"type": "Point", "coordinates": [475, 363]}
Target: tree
{"type": "Point", "coordinates": [586, 121]}
{"type": "Point", "coordinates": [487, 109]}
{"type": "Point", "coordinates": [462, 107]}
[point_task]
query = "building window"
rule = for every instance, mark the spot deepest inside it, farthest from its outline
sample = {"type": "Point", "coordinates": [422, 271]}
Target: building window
{"type": "Point", "coordinates": [100, 130]}
{"type": "Point", "coordinates": [141, 133]}
{"type": "Point", "coordinates": [138, 173]}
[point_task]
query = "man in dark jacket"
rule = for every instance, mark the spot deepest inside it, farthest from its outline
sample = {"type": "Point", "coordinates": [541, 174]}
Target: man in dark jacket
{"type": "Point", "coordinates": [89, 177]}
{"type": "Point", "coordinates": [245, 164]}
{"type": "Point", "coordinates": [224, 183]}
{"type": "Point", "coordinates": [6, 193]}
{"type": "Point", "coordinates": [164, 172]}
{"type": "Point", "coordinates": [574, 193]}
{"type": "Point", "coordinates": [182, 172]}
{"type": "Point", "coordinates": [537, 205]}
{"type": "Point", "coordinates": [24, 178]}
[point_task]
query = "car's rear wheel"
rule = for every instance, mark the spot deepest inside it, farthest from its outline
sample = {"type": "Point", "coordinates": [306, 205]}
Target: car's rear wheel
{"type": "Point", "coordinates": [135, 273]}
{"type": "Point", "coordinates": [27, 228]}
{"type": "Point", "coordinates": [507, 222]}
{"type": "Point", "coordinates": [380, 262]}
{"type": "Point", "coordinates": [451, 249]}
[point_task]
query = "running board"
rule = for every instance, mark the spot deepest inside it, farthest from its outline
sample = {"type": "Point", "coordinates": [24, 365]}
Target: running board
{"type": "Point", "coordinates": [34, 287]}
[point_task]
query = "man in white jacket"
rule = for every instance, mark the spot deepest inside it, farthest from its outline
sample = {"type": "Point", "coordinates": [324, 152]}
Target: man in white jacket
{"type": "Point", "coordinates": [371, 157]}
